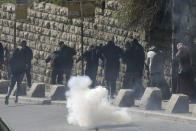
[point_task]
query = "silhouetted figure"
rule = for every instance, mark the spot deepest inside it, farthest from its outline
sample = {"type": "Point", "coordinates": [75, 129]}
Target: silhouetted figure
{"type": "Point", "coordinates": [92, 61]}
{"type": "Point", "coordinates": [57, 66]}
{"type": "Point", "coordinates": [1, 58]}
{"type": "Point", "coordinates": [28, 57]}
{"type": "Point", "coordinates": [134, 58]}
{"type": "Point", "coordinates": [111, 55]}
{"type": "Point", "coordinates": [17, 67]}
{"type": "Point", "coordinates": [185, 73]}
{"type": "Point", "coordinates": [155, 66]}
{"type": "Point", "coordinates": [68, 54]}
{"type": "Point", "coordinates": [128, 58]}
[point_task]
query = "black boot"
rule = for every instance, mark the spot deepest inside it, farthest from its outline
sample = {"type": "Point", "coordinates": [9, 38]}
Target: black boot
{"type": "Point", "coordinates": [6, 100]}
{"type": "Point", "coordinates": [16, 100]}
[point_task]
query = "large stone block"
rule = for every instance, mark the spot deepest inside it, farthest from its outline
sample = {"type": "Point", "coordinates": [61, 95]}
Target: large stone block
{"type": "Point", "coordinates": [194, 111]}
{"type": "Point", "coordinates": [4, 86]}
{"type": "Point", "coordinates": [37, 90]}
{"type": "Point", "coordinates": [151, 100]}
{"type": "Point", "coordinates": [125, 98]}
{"type": "Point", "coordinates": [57, 92]}
{"type": "Point", "coordinates": [22, 91]}
{"type": "Point", "coordinates": [178, 103]}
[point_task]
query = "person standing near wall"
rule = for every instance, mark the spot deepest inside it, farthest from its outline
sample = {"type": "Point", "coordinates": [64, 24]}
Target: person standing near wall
{"type": "Point", "coordinates": [28, 57]}
{"type": "Point", "coordinates": [17, 65]}
{"type": "Point", "coordinates": [92, 61]}
{"type": "Point", "coordinates": [57, 67]}
{"type": "Point", "coordinates": [67, 53]}
{"type": "Point", "coordinates": [111, 54]}
{"type": "Point", "coordinates": [138, 57]}
{"type": "Point", "coordinates": [128, 60]}
{"type": "Point", "coordinates": [155, 66]}
{"type": "Point", "coordinates": [185, 75]}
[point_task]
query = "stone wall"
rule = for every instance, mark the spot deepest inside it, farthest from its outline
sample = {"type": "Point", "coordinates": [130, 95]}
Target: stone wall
{"type": "Point", "coordinates": [47, 24]}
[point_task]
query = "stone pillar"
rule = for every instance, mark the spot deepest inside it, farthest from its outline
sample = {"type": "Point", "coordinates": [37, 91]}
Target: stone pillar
{"type": "Point", "coordinates": [4, 86]}
{"type": "Point", "coordinates": [37, 90]}
{"type": "Point", "coordinates": [151, 100]}
{"type": "Point", "coordinates": [57, 92]}
{"type": "Point", "coordinates": [125, 98]}
{"type": "Point", "coordinates": [179, 103]}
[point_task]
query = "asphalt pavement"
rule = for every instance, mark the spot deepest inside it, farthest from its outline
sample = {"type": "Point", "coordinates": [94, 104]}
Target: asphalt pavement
{"type": "Point", "coordinates": [35, 117]}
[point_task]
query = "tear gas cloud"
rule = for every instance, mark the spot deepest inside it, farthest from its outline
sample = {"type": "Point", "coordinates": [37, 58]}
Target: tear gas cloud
{"type": "Point", "coordinates": [90, 107]}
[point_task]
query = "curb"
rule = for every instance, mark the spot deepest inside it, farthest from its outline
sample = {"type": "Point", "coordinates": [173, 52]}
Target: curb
{"type": "Point", "coordinates": [184, 117]}
{"type": "Point", "coordinates": [38, 101]}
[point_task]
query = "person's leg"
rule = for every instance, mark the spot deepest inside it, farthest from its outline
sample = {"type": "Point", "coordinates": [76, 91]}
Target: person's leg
{"type": "Point", "coordinates": [19, 81]}
{"type": "Point", "coordinates": [28, 74]}
{"type": "Point", "coordinates": [60, 77]}
{"type": "Point", "coordinates": [139, 88]}
{"type": "Point", "coordinates": [68, 74]}
{"type": "Point", "coordinates": [127, 82]}
{"type": "Point", "coordinates": [53, 76]}
{"type": "Point", "coordinates": [11, 86]}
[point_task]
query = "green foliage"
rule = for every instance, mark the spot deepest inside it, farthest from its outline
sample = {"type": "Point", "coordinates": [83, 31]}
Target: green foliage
{"type": "Point", "coordinates": [138, 12]}
{"type": "Point", "coordinates": [7, 1]}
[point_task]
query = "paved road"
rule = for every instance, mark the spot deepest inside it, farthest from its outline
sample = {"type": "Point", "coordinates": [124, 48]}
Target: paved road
{"type": "Point", "coordinates": [29, 117]}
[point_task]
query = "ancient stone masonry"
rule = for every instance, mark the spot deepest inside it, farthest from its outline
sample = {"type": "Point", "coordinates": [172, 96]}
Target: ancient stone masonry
{"type": "Point", "coordinates": [47, 24]}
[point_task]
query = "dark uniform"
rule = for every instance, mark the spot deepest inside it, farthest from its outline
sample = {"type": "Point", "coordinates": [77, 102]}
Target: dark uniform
{"type": "Point", "coordinates": [92, 61]}
{"type": "Point", "coordinates": [28, 57]}
{"type": "Point", "coordinates": [17, 68]}
{"type": "Point", "coordinates": [57, 67]}
{"type": "Point", "coordinates": [68, 54]}
{"type": "Point", "coordinates": [134, 58]}
{"type": "Point", "coordinates": [111, 55]}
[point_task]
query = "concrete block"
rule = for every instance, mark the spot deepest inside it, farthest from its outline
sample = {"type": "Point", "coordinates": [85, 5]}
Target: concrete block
{"type": "Point", "coordinates": [57, 92]}
{"type": "Point", "coordinates": [4, 86]}
{"type": "Point", "coordinates": [125, 98]}
{"type": "Point", "coordinates": [22, 91]}
{"type": "Point", "coordinates": [194, 111]}
{"type": "Point", "coordinates": [151, 100]}
{"type": "Point", "coordinates": [178, 103]}
{"type": "Point", "coordinates": [37, 90]}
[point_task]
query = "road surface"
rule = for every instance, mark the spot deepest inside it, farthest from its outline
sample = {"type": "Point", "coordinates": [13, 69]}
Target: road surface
{"type": "Point", "coordinates": [29, 117]}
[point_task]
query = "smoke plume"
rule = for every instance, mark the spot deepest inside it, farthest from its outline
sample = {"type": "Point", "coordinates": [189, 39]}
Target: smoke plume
{"type": "Point", "coordinates": [90, 107]}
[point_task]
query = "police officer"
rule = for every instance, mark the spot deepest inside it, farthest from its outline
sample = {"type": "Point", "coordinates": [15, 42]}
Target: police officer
{"type": "Point", "coordinates": [17, 67]}
{"type": "Point", "coordinates": [57, 67]}
{"type": "Point", "coordinates": [128, 58]}
{"type": "Point", "coordinates": [92, 61]}
{"type": "Point", "coordinates": [28, 57]}
{"type": "Point", "coordinates": [67, 53]}
{"type": "Point", "coordinates": [111, 54]}
{"type": "Point", "coordinates": [137, 59]}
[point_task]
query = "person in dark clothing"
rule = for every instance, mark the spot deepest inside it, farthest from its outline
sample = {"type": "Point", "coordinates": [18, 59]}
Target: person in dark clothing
{"type": "Point", "coordinates": [92, 61]}
{"type": "Point", "coordinates": [111, 54]}
{"type": "Point", "coordinates": [28, 57]}
{"type": "Point", "coordinates": [57, 67]}
{"type": "Point", "coordinates": [17, 67]}
{"type": "Point", "coordinates": [1, 57]}
{"type": "Point", "coordinates": [185, 72]}
{"type": "Point", "coordinates": [128, 60]}
{"type": "Point", "coordinates": [67, 53]}
{"type": "Point", "coordinates": [134, 58]}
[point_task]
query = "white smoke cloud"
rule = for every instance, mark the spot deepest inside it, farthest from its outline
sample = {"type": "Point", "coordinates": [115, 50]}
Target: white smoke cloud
{"type": "Point", "coordinates": [90, 107]}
